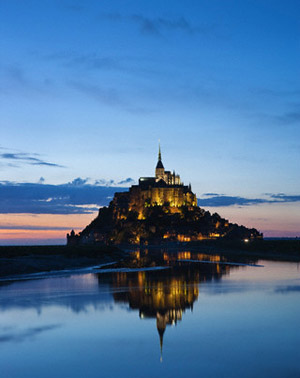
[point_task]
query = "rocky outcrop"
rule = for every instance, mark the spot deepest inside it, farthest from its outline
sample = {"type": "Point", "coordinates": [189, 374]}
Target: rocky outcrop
{"type": "Point", "coordinates": [155, 224]}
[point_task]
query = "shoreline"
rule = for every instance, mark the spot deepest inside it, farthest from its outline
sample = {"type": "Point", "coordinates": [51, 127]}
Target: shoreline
{"type": "Point", "coordinates": [18, 261]}
{"type": "Point", "coordinates": [53, 273]}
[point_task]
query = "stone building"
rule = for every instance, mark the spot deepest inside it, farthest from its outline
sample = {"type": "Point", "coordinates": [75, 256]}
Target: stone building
{"type": "Point", "coordinates": [165, 188]}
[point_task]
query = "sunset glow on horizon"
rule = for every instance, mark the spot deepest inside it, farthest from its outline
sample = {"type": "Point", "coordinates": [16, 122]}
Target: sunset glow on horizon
{"type": "Point", "coordinates": [279, 220]}
{"type": "Point", "coordinates": [18, 229]}
{"type": "Point", "coordinates": [84, 103]}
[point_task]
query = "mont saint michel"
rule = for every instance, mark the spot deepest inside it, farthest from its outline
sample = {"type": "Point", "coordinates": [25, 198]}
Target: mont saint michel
{"type": "Point", "coordinates": [158, 210]}
{"type": "Point", "coordinates": [121, 258]}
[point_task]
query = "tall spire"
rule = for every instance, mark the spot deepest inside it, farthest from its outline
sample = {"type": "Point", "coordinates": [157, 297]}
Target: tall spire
{"type": "Point", "coordinates": [159, 170]}
{"type": "Point", "coordinates": [161, 327]}
{"type": "Point", "coordinates": [159, 152]}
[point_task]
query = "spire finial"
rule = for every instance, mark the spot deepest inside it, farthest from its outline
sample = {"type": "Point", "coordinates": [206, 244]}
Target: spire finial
{"type": "Point", "coordinates": [159, 151]}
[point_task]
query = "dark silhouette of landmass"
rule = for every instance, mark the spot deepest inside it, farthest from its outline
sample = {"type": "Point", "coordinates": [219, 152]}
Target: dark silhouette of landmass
{"type": "Point", "coordinates": [159, 225]}
{"type": "Point", "coordinates": [15, 260]}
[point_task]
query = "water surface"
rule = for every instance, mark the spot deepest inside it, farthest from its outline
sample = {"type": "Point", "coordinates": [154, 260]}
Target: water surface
{"type": "Point", "coordinates": [199, 316]}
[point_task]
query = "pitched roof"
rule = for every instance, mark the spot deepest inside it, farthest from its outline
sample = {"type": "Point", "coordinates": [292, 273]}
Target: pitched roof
{"type": "Point", "coordinates": [159, 164]}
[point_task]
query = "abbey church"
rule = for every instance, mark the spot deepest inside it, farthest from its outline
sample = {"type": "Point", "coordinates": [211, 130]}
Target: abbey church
{"type": "Point", "coordinates": [163, 189]}
{"type": "Point", "coordinates": [165, 176]}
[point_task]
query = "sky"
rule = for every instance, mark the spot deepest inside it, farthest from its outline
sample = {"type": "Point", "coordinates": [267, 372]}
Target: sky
{"type": "Point", "coordinates": [87, 88]}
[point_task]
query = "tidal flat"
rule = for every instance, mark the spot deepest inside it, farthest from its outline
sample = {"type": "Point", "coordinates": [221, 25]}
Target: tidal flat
{"type": "Point", "coordinates": [16, 260]}
{"type": "Point", "coordinates": [22, 260]}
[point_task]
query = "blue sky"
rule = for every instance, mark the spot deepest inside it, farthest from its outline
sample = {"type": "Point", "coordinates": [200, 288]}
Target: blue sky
{"type": "Point", "coordinates": [88, 87]}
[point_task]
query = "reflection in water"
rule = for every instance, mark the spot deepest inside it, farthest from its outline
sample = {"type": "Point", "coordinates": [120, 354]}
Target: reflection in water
{"type": "Point", "coordinates": [80, 325]}
{"type": "Point", "coordinates": [9, 334]}
{"type": "Point", "coordinates": [165, 294]}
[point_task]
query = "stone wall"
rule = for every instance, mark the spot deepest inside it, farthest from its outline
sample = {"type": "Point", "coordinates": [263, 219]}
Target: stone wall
{"type": "Point", "coordinates": [176, 196]}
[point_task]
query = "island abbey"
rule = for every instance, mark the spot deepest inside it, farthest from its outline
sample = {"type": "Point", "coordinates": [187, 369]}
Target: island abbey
{"type": "Point", "coordinates": [159, 209]}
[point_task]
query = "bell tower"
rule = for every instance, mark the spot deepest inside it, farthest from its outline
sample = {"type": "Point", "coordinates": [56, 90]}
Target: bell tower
{"type": "Point", "coordinates": [159, 170]}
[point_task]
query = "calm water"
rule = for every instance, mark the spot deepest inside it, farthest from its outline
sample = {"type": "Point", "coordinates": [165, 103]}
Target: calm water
{"type": "Point", "coordinates": [204, 318]}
